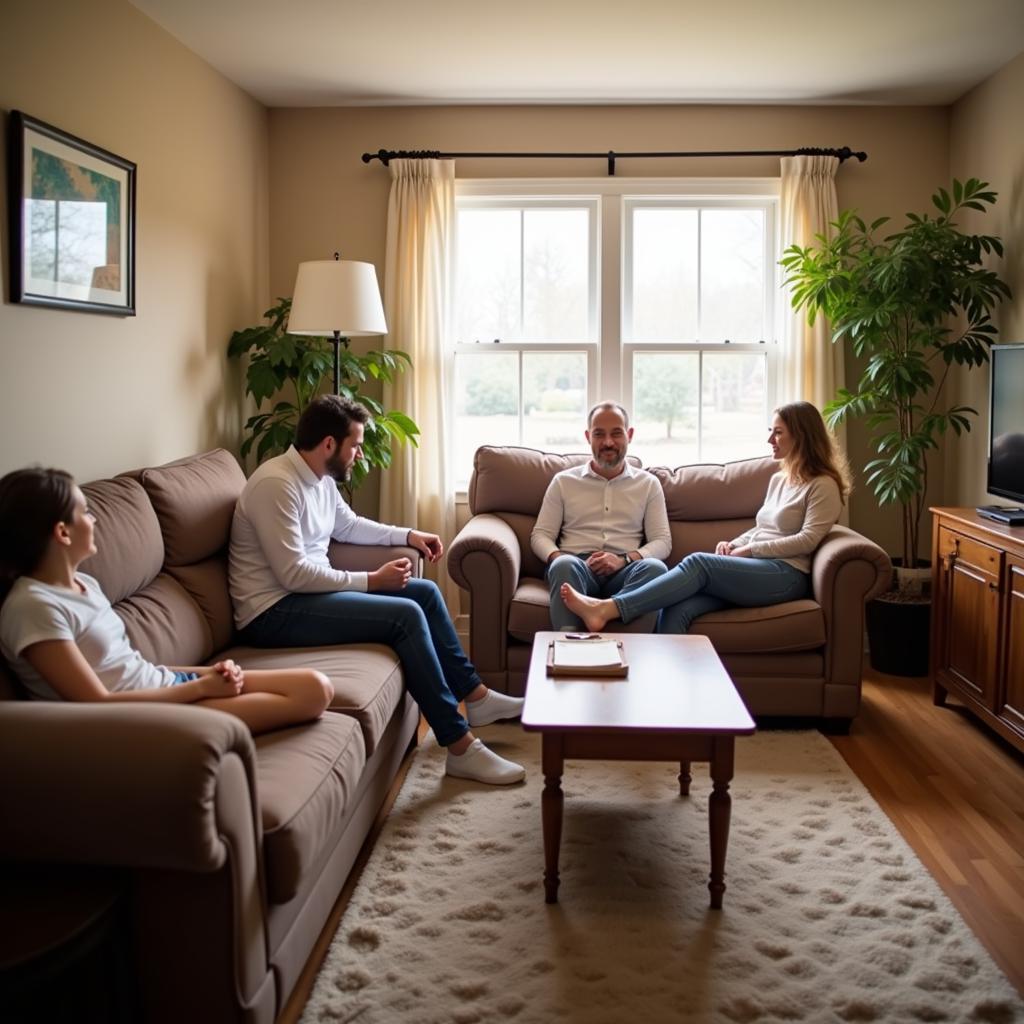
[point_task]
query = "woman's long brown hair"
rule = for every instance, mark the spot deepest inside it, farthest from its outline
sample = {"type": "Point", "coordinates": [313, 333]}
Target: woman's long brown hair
{"type": "Point", "coordinates": [814, 452]}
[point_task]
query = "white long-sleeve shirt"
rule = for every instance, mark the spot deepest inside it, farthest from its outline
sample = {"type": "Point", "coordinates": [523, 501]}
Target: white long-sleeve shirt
{"type": "Point", "coordinates": [283, 523]}
{"type": "Point", "coordinates": [793, 520]}
{"type": "Point", "coordinates": [583, 512]}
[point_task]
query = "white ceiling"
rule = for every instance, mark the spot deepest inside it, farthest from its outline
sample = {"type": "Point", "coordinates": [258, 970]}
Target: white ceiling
{"type": "Point", "coordinates": [397, 52]}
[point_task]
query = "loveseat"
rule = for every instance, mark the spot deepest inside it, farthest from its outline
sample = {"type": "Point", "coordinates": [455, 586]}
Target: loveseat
{"type": "Point", "coordinates": [232, 850]}
{"type": "Point", "coordinates": [802, 658]}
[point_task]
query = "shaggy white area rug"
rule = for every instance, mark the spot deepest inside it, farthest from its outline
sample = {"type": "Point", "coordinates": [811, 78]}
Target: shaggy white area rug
{"type": "Point", "coordinates": [828, 914]}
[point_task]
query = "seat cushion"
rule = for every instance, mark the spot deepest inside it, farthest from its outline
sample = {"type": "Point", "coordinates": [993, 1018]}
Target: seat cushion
{"type": "Point", "coordinates": [530, 613]}
{"type": "Point", "coordinates": [791, 626]}
{"type": "Point", "coordinates": [367, 678]}
{"type": "Point", "coordinates": [306, 778]}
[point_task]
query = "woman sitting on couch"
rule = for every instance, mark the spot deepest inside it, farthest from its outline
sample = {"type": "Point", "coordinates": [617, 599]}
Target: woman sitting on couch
{"type": "Point", "coordinates": [64, 641]}
{"type": "Point", "coordinates": [768, 564]}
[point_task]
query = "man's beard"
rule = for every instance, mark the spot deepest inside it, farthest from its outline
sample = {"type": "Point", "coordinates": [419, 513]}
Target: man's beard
{"type": "Point", "coordinates": [337, 469]}
{"type": "Point", "coordinates": [608, 460]}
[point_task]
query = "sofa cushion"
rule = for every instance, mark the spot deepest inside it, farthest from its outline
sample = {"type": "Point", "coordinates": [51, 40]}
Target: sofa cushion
{"type": "Point", "coordinates": [306, 778]}
{"type": "Point", "coordinates": [791, 626]}
{"type": "Point", "coordinates": [733, 490]}
{"type": "Point", "coordinates": [194, 500]}
{"type": "Point", "coordinates": [130, 549]}
{"type": "Point", "coordinates": [510, 479]}
{"type": "Point", "coordinates": [165, 625]}
{"type": "Point", "coordinates": [530, 613]}
{"type": "Point", "coordinates": [206, 583]}
{"type": "Point", "coordinates": [367, 678]}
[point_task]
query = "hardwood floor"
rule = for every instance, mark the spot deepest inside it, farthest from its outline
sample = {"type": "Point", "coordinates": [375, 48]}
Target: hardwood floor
{"type": "Point", "coordinates": [952, 787]}
{"type": "Point", "coordinates": [956, 793]}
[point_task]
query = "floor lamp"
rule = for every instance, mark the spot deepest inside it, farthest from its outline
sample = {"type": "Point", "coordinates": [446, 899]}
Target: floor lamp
{"type": "Point", "coordinates": [338, 298]}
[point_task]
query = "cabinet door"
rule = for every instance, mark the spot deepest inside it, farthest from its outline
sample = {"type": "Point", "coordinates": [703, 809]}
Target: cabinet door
{"type": "Point", "coordinates": [969, 612]}
{"type": "Point", "coordinates": [1012, 710]}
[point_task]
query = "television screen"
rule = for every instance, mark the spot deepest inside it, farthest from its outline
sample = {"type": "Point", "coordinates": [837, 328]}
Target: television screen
{"type": "Point", "coordinates": [1006, 431]}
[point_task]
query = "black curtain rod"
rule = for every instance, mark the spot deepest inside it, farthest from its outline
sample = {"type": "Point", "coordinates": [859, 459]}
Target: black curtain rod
{"type": "Point", "coordinates": [387, 155]}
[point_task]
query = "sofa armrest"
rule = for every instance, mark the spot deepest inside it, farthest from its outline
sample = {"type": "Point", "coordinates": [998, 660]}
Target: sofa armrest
{"type": "Point", "coordinates": [368, 557]}
{"type": "Point", "coordinates": [486, 554]}
{"type": "Point", "coordinates": [485, 560]}
{"type": "Point", "coordinates": [166, 786]}
{"type": "Point", "coordinates": [848, 570]}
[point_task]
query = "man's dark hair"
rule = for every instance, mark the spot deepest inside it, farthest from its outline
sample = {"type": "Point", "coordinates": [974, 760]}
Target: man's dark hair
{"type": "Point", "coordinates": [327, 416]}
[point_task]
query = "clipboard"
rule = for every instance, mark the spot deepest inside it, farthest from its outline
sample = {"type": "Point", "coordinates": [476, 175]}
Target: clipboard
{"type": "Point", "coordinates": [616, 670]}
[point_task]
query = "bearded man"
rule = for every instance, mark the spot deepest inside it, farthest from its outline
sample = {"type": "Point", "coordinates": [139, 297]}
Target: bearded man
{"type": "Point", "coordinates": [286, 593]}
{"type": "Point", "coordinates": [602, 526]}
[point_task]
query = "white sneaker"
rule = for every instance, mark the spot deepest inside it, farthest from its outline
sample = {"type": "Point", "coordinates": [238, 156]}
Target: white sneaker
{"type": "Point", "coordinates": [483, 765]}
{"type": "Point", "coordinates": [492, 707]}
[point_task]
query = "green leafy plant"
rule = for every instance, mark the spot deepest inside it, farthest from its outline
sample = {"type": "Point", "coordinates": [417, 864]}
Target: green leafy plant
{"type": "Point", "coordinates": [280, 362]}
{"type": "Point", "coordinates": [912, 304]}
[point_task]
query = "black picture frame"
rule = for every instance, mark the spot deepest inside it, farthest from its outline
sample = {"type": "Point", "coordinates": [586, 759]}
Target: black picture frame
{"type": "Point", "coordinates": [71, 219]}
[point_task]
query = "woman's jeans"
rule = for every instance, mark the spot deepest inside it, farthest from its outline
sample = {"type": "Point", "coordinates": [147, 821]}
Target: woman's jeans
{"type": "Point", "coordinates": [414, 622]}
{"type": "Point", "coordinates": [703, 583]}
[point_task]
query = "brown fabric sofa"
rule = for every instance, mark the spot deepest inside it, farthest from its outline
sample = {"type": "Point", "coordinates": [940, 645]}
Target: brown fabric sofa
{"type": "Point", "coordinates": [233, 849]}
{"type": "Point", "coordinates": [802, 658]}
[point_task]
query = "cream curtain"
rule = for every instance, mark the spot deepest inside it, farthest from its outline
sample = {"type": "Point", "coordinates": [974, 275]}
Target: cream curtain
{"type": "Point", "coordinates": [417, 491]}
{"type": "Point", "coordinates": [811, 367]}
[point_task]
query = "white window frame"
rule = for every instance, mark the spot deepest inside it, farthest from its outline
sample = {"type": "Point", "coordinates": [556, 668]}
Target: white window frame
{"type": "Point", "coordinates": [609, 356]}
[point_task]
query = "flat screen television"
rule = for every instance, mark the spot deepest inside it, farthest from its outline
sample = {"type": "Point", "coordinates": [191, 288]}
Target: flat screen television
{"type": "Point", "coordinates": [1006, 423]}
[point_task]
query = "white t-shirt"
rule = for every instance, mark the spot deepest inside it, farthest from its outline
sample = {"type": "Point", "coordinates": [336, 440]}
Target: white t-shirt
{"type": "Point", "coordinates": [284, 521]}
{"type": "Point", "coordinates": [36, 611]}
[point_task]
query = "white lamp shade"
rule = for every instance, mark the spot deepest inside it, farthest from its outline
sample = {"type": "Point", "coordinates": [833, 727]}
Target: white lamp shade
{"type": "Point", "coordinates": [336, 295]}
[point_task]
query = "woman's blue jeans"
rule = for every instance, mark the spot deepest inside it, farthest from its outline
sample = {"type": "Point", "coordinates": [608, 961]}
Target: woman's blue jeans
{"type": "Point", "coordinates": [703, 583]}
{"type": "Point", "coordinates": [414, 622]}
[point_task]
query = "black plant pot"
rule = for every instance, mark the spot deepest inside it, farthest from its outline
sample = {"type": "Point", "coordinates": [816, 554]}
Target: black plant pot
{"type": "Point", "coordinates": [898, 636]}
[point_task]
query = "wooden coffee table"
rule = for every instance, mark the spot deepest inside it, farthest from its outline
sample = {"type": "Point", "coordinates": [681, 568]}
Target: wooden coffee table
{"type": "Point", "coordinates": [677, 704]}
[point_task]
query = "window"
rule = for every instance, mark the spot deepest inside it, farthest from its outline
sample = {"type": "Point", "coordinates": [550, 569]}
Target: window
{"type": "Point", "coordinates": [656, 294]}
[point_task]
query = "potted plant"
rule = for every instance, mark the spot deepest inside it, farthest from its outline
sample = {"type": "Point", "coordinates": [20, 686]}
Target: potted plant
{"type": "Point", "coordinates": [912, 304]}
{"type": "Point", "coordinates": [278, 361]}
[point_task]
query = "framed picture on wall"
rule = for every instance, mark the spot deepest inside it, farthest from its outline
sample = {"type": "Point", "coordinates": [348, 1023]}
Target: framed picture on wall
{"type": "Point", "coordinates": [72, 221]}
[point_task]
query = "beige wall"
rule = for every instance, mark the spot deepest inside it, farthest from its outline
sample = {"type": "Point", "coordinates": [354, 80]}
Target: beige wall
{"type": "Point", "coordinates": [986, 142]}
{"type": "Point", "coordinates": [97, 394]}
{"type": "Point", "coordinates": [323, 198]}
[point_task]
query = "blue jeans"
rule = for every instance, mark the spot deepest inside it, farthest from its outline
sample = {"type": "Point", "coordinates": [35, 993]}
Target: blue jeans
{"type": "Point", "coordinates": [703, 583]}
{"type": "Point", "coordinates": [414, 622]}
{"type": "Point", "coordinates": [572, 569]}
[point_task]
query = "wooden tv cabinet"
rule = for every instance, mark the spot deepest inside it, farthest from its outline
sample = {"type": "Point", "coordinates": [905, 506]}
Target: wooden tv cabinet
{"type": "Point", "coordinates": [977, 643]}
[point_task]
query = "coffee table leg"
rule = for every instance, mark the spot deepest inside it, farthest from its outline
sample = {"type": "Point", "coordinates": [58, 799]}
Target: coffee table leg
{"type": "Point", "coordinates": [719, 811]}
{"type": "Point", "coordinates": [685, 778]}
{"type": "Point", "coordinates": [551, 803]}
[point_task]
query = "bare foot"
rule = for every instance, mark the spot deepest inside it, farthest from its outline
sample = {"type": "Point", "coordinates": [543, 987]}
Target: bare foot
{"type": "Point", "coordinates": [595, 613]}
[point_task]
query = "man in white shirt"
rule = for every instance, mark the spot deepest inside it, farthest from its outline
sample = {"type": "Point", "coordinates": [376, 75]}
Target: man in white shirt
{"type": "Point", "coordinates": [287, 594]}
{"type": "Point", "coordinates": [602, 526]}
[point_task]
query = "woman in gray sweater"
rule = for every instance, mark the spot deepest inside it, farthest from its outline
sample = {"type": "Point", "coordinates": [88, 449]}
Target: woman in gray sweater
{"type": "Point", "coordinates": [769, 563]}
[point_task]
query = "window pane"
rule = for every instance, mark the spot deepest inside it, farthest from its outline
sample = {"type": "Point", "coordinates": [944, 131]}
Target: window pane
{"type": "Point", "coordinates": [488, 296]}
{"type": "Point", "coordinates": [732, 275]}
{"type": "Point", "coordinates": [664, 275]}
{"type": "Point", "coordinates": [665, 395]}
{"type": "Point", "coordinates": [555, 400]}
{"type": "Point", "coordinates": [556, 250]}
{"type": "Point", "coordinates": [486, 406]}
{"type": "Point", "coordinates": [735, 406]}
